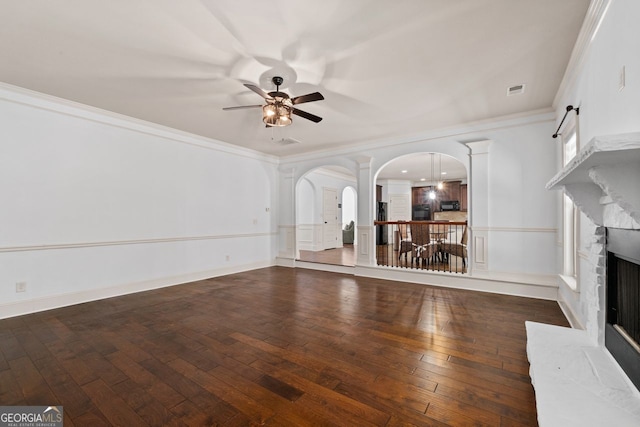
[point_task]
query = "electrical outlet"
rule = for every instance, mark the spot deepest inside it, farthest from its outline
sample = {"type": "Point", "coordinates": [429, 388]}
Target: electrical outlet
{"type": "Point", "coordinates": [227, 257]}
{"type": "Point", "coordinates": [255, 221]}
{"type": "Point", "coordinates": [21, 286]}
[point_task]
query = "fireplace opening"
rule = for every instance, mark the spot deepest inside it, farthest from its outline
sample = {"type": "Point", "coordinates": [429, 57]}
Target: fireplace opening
{"type": "Point", "coordinates": [622, 331]}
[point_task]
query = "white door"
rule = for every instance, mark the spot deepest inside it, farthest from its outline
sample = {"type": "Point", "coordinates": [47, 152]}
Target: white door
{"type": "Point", "coordinates": [330, 218]}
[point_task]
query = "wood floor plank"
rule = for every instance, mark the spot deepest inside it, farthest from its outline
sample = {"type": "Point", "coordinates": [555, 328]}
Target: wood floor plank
{"type": "Point", "coordinates": [332, 399]}
{"type": "Point", "coordinates": [255, 411]}
{"type": "Point", "coordinates": [34, 388]}
{"type": "Point", "coordinates": [10, 392]}
{"type": "Point", "coordinates": [111, 405]}
{"type": "Point", "coordinates": [279, 347]}
{"type": "Point", "coordinates": [152, 411]}
{"type": "Point", "coordinates": [152, 384]}
{"type": "Point", "coordinates": [66, 390]}
{"type": "Point", "coordinates": [297, 414]}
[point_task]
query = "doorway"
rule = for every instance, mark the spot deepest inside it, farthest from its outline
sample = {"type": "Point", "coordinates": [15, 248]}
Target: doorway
{"type": "Point", "coordinates": [330, 218]}
{"type": "Point", "coordinates": [325, 199]}
{"type": "Point", "coordinates": [349, 207]}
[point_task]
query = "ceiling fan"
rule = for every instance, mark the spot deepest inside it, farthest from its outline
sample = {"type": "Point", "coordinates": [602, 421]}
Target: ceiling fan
{"type": "Point", "coordinates": [279, 107]}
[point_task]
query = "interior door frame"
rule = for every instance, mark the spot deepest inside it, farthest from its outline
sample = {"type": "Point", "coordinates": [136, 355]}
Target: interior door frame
{"type": "Point", "coordinates": [332, 242]}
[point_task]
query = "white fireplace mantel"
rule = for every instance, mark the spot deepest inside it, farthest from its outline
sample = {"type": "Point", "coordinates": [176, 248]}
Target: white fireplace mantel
{"type": "Point", "coordinates": [606, 170]}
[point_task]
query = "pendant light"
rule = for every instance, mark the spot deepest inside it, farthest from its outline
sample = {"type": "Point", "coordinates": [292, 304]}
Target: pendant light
{"type": "Point", "coordinates": [440, 182]}
{"type": "Point", "coordinates": [432, 193]}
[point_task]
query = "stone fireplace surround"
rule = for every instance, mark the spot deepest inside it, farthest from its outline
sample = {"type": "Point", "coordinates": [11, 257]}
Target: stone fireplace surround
{"type": "Point", "coordinates": [576, 380]}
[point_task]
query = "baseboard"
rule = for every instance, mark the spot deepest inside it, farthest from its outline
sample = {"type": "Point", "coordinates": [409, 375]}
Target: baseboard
{"type": "Point", "coordinates": [285, 262]}
{"type": "Point", "coordinates": [524, 287]}
{"type": "Point", "coordinates": [35, 305]}
{"type": "Point", "coordinates": [568, 312]}
{"type": "Point", "coordinates": [344, 269]}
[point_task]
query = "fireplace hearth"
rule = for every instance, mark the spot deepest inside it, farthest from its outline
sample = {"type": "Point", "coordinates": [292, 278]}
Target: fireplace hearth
{"type": "Point", "coordinates": [622, 330]}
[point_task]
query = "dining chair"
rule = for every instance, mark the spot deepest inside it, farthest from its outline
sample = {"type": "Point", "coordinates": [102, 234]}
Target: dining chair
{"type": "Point", "coordinates": [423, 248]}
{"type": "Point", "coordinates": [405, 244]}
{"type": "Point", "coordinates": [456, 249]}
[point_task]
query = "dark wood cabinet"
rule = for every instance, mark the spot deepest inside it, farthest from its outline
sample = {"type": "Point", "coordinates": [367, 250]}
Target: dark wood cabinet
{"type": "Point", "coordinates": [451, 190]}
{"type": "Point", "coordinates": [463, 197]}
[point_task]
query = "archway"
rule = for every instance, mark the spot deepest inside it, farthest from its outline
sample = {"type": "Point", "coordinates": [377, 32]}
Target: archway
{"type": "Point", "coordinates": [424, 186]}
{"type": "Point", "coordinates": [320, 209]}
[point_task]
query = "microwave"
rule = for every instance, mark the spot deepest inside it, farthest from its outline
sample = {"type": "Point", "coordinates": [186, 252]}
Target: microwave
{"type": "Point", "coordinates": [450, 205]}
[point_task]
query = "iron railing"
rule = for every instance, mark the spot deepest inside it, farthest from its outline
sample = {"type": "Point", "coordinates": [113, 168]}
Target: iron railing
{"type": "Point", "coordinates": [422, 245]}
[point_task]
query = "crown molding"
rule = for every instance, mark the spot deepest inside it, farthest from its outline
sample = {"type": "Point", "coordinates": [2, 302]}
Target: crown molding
{"type": "Point", "coordinates": [594, 17]}
{"type": "Point", "coordinates": [19, 95]}
{"type": "Point", "coordinates": [459, 132]}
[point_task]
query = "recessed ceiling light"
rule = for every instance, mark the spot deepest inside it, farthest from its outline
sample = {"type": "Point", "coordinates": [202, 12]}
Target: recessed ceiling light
{"type": "Point", "coordinates": [404, 171]}
{"type": "Point", "coordinates": [423, 179]}
{"type": "Point", "coordinates": [443, 173]}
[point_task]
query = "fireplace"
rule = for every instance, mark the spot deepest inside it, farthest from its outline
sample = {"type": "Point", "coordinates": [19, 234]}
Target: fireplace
{"type": "Point", "coordinates": [622, 329]}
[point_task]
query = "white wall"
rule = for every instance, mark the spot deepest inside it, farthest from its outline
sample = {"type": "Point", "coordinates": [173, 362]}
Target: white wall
{"type": "Point", "coordinates": [522, 219]}
{"type": "Point", "coordinates": [604, 110]}
{"type": "Point", "coordinates": [96, 204]}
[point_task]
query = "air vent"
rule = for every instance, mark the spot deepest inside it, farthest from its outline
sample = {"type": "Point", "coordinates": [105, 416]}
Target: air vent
{"type": "Point", "coordinates": [285, 141]}
{"type": "Point", "coordinates": [515, 90]}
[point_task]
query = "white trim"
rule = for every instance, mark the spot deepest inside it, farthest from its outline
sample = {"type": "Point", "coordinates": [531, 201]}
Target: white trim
{"type": "Point", "coordinates": [285, 262]}
{"type": "Point", "coordinates": [570, 281]}
{"type": "Point", "coordinates": [35, 305]}
{"type": "Point", "coordinates": [44, 247]}
{"type": "Point", "coordinates": [334, 174]}
{"type": "Point", "coordinates": [567, 309]}
{"type": "Point", "coordinates": [54, 104]}
{"type": "Point", "coordinates": [595, 14]}
{"type": "Point", "coordinates": [344, 269]}
{"type": "Point", "coordinates": [455, 132]}
{"type": "Point", "coordinates": [516, 229]}
{"type": "Point", "coordinates": [524, 285]}
{"type": "Point", "coordinates": [309, 237]}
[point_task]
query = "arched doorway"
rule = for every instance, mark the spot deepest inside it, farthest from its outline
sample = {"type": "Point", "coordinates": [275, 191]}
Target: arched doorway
{"type": "Point", "coordinates": [426, 186]}
{"type": "Point", "coordinates": [321, 214]}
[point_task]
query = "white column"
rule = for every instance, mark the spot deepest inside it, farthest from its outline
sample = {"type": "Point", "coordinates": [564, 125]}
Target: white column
{"type": "Point", "coordinates": [365, 229]}
{"type": "Point", "coordinates": [287, 215]}
{"type": "Point", "coordinates": [478, 218]}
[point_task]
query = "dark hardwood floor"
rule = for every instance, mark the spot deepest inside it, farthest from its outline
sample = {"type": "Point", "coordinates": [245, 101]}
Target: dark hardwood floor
{"type": "Point", "coordinates": [279, 347]}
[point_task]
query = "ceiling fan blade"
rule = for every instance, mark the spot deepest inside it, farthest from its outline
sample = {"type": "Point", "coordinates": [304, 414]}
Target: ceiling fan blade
{"type": "Point", "coordinates": [259, 91]}
{"type": "Point", "coordinates": [306, 115]}
{"type": "Point", "coordinates": [241, 107]}
{"type": "Point", "coordinates": [315, 96]}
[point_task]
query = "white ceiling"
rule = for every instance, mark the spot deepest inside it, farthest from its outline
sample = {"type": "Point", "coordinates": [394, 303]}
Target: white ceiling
{"type": "Point", "coordinates": [386, 69]}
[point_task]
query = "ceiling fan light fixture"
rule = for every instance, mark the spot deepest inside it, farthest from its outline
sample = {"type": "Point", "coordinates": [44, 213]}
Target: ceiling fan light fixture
{"type": "Point", "coordinates": [279, 106]}
{"type": "Point", "coordinates": [276, 115]}
{"type": "Point", "coordinates": [268, 110]}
